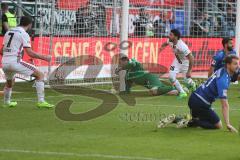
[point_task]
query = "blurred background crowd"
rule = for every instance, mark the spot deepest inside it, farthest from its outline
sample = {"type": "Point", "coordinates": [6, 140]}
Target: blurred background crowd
{"type": "Point", "coordinates": [201, 18]}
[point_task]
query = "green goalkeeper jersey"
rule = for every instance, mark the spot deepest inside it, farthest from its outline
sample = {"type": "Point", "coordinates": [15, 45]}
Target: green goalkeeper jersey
{"type": "Point", "coordinates": [134, 70]}
{"type": "Point", "coordinates": [137, 75]}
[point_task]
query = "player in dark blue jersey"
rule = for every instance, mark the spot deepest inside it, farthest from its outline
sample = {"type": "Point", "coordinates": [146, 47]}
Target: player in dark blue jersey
{"type": "Point", "coordinates": [200, 101]}
{"type": "Point", "coordinates": [214, 88]}
{"type": "Point", "coordinates": [218, 58]}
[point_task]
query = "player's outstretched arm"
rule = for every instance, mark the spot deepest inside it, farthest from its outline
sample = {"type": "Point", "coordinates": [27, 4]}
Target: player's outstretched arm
{"type": "Point", "coordinates": [5, 26]}
{"type": "Point", "coordinates": [33, 54]}
{"type": "Point", "coordinates": [163, 46]}
{"type": "Point", "coordinates": [225, 111]}
{"type": "Point", "coordinates": [190, 58]}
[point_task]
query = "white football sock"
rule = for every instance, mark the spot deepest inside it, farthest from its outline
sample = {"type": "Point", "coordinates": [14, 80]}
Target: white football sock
{"type": "Point", "coordinates": [178, 86]}
{"type": "Point", "coordinates": [40, 90]}
{"type": "Point", "coordinates": [7, 95]}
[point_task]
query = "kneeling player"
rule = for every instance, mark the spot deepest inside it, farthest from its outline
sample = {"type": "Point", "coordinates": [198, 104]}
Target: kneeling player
{"type": "Point", "coordinates": [200, 102]}
{"type": "Point", "coordinates": [136, 74]}
{"type": "Point", "coordinates": [13, 43]}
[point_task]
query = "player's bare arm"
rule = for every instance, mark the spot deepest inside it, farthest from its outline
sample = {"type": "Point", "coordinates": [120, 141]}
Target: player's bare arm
{"type": "Point", "coordinates": [225, 112]}
{"type": "Point", "coordinates": [163, 46]}
{"type": "Point", "coordinates": [34, 54]}
{"type": "Point", "coordinates": [6, 26]}
{"type": "Point", "coordinates": [190, 58]}
{"type": "Point", "coordinates": [210, 71]}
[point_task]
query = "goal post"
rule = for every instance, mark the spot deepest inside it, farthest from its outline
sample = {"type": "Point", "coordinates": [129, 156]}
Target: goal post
{"type": "Point", "coordinates": [124, 38]}
{"type": "Point", "coordinates": [237, 37]}
{"type": "Point", "coordinates": [52, 23]}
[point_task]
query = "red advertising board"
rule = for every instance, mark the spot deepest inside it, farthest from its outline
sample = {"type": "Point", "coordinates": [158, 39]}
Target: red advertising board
{"type": "Point", "coordinates": [145, 50]}
{"type": "Point", "coordinates": [75, 4]}
{"type": "Point", "coordinates": [157, 2]}
{"type": "Point", "coordinates": [71, 5]}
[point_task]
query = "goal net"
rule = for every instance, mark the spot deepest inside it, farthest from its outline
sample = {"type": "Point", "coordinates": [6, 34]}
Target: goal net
{"type": "Point", "coordinates": [79, 34]}
{"type": "Point", "coordinates": [83, 39]}
{"type": "Point", "coordinates": [202, 23]}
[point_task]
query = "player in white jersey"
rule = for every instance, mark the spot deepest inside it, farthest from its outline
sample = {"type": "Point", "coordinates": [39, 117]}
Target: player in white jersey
{"type": "Point", "coordinates": [15, 40]}
{"type": "Point", "coordinates": [182, 63]}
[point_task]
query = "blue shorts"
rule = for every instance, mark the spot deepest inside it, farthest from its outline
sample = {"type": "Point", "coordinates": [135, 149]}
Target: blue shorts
{"type": "Point", "coordinates": [201, 110]}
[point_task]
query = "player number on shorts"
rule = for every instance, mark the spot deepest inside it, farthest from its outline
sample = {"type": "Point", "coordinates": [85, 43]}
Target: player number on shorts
{"type": "Point", "coordinates": [10, 39]}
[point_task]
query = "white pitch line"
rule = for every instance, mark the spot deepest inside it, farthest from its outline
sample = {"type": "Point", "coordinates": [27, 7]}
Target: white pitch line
{"type": "Point", "coordinates": [77, 154]}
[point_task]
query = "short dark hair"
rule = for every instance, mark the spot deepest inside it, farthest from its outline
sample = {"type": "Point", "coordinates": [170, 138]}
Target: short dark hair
{"type": "Point", "coordinates": [124, 59]}
{"type": "Point", "coordinates": [4, 6]}
{"type": "Point", "coordinates": [25, 21]}
{"type": "Point", "coordinates": [176, 33]}
{"type": "Point", "coordinates": [229, 58]}
{"type": "Point", "coordinates": [226, 40]}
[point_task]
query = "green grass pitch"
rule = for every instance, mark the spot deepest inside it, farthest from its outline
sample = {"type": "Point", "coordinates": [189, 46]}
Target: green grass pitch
{"type": "Point", "coordinates": [29, 133]}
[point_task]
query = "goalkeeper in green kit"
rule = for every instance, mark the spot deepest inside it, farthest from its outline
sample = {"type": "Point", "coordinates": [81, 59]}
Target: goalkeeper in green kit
{"type": "Point", "coordinates": [136, 74]}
